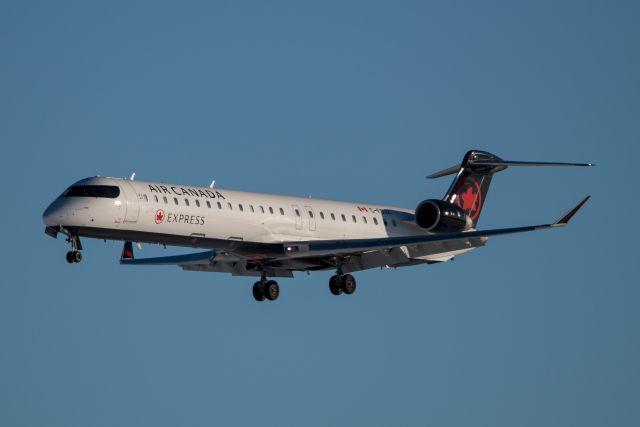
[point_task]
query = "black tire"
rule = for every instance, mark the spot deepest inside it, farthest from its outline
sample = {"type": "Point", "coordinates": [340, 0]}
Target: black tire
{"type": "Point", "coordinates": [70, 257]}
{"type": "Point", "coordinates": [334, 285]}
{"type": "Point", "coordinates": [258, 291]}
{"type": "Point", "coordinates": [77, 256]}
{"type": "Point", "coordinates": [348, 284]}
{"type": "Point", "coordinates": [271, 290]}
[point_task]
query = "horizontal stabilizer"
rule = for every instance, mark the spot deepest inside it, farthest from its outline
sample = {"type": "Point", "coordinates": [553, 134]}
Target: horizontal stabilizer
{"type": "Point", "coordinates": [514, 163]}
{"type": "Point", "coordinates": [472, 163]}
{"type": "Point", "coordinates": [445, 172]}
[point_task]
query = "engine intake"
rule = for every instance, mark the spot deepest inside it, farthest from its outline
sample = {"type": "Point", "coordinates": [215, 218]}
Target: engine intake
{"type": "Point", "coordinates": [438, 215]}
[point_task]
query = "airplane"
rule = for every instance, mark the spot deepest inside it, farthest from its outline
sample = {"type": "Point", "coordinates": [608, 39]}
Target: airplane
{"type": "Point", "coordinates": [269, 236]}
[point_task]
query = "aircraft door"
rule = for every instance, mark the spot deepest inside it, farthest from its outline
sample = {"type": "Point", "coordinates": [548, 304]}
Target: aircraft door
{"type": "Point", "coordinates": [132, 207]}
{"type": "Point", "coordinates": [298, 216]}
{"type": "Point", "coordinates": [312, 218]}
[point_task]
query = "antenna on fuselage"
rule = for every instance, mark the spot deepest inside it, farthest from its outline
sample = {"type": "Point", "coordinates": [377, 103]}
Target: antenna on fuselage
{"type": "Point", "coordinates": [212, 183]}
{"type": "Point", "coordinates": [133, 177]}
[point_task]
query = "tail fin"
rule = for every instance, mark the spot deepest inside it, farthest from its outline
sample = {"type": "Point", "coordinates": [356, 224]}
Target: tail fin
{"type": "Point", "coordinates": [473, 177]}
{"type": "Point", "coordinates": [470, 187]}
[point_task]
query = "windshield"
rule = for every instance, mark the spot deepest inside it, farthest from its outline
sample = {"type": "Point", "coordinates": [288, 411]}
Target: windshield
{"type": "Point", "coordinates": [108, 191]}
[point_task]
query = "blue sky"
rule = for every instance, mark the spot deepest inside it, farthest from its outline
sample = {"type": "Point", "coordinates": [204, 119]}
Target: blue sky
{"type": "Point", "coordinates": [346, 100]}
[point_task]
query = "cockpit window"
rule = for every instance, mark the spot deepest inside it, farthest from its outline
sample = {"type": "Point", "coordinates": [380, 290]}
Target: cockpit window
{"type": "Point", "coordinates": [108, 191]}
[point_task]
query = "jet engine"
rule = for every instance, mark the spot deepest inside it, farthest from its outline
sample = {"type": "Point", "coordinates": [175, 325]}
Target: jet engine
{"type": "Point", "coordinates": [440, 216]}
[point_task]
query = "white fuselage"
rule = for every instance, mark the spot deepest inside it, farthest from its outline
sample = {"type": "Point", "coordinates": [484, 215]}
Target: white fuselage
{"type": "Point", "coordinates": [187, 215]}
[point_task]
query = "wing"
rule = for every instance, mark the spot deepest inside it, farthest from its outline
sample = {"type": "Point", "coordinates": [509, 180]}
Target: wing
{"type": "Point", "coordinates": [212, 261]}
{"type": "Point", "coordinates": [360, 254]}
{"type": "Point", "coordinates": [350, 254]}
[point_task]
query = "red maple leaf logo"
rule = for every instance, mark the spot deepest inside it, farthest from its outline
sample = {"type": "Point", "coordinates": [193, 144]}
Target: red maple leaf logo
{"type": "Point", "coordinates": [470, 198]}
{"type": "Point", "coordinates": [159, 216]}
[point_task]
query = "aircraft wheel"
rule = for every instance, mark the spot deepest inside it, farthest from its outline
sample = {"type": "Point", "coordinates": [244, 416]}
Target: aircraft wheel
{"type": "Point", "coordinates": [348, 284]}
{"type": "Point", "coordinates": [77, 256]}
{"type": "Point", "coordinates": [271, 290]}
{"type": "Point", "coordinates": [334, 285]}
{"type": "Point", "coordinates": [70, 257]}
{"type": "Point", "coordinates": [258, 291]}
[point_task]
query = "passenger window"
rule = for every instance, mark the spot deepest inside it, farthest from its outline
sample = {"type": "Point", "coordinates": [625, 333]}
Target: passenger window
{"type": "Point", "coordinates": [385, 221]}
{"type": "Point", "coordinates": [251, 207]}
{"type": "Point", "coordinates": [321, 215]}
{"type": "Point", "coordinates": [310, 214]}
{"type": "Point", "coordinates": [353, 217]}
{"type": "Point", "coordinates": [230, 206]}
{"type": "Point", "coordinates": [197, 203]}
{"type": "Point", "coordinates": [240, 206]}
{"type": "Point", "coordinates": [219, 205]}
{"type": "Point", "coordinates": [186, 202]}
{"type": "Point", "coordinates": [270, 210]}
{"type": "Point", "coordinates": [333, 217]}
{"type": "Point", "coordinates": [175, 200]}
{"type": "Point", "coordinates": [155, 198]}
{"type": "Point", "coordinates": [364, 219]}
{"type": "Point", "coordinates": [393, 221]}
{"type": "Point", "coordinates": [281, 211]}
{"type": "Point", "coordinates": [375, 220]}
{"type": "Point", "coordinates": [165, 199]}
{"type": "Point", "coordinates": [261, 209]}
{"type": "Point", "coordinates": [209, 204]}
{"type": "Point", "coordinates": [344, 218]}
{"type": "Point", "coordinates": [146, 199]}
{"type": "Point", "coordinates": [297, 212]}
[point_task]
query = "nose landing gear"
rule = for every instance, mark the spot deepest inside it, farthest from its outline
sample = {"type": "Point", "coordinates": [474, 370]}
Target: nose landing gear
{"type": "Point", "coordinates": [74, 255]}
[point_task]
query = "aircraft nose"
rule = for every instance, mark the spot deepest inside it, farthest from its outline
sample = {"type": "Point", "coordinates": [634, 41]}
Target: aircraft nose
{"type": "Point", "coordinates": [52, 216]}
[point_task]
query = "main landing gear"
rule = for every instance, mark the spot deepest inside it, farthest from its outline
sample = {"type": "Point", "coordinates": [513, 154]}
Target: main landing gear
{"type": "Point", "coordinates": [340, 283]}
{"type": "Point", "coordinates": [266, 289]}
{"type": "Point", "coordinates": [74, 255]}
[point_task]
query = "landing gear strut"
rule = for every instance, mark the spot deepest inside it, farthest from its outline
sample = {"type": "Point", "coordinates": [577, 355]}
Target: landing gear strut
{"type": "Point", "coordinates": [340, 283]}
{"type": "Point", "coordinates": [265, 289]}
{"type": "Point", "coordinates": [74, 255]}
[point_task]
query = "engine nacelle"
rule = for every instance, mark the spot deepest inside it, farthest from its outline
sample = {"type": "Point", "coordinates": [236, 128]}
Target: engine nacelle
{"type": "Point", "coordinates": [438, 215]}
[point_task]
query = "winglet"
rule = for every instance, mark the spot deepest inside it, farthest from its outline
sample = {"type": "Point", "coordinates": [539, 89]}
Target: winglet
{"type": "Point", "coordinates": [567, 217]}
{"type": "Point", "coordinates": [127, 252]}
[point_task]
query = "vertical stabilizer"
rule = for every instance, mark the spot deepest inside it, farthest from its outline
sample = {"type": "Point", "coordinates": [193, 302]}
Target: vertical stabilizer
{"type": "Point", "coordinates": [470, 187]}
